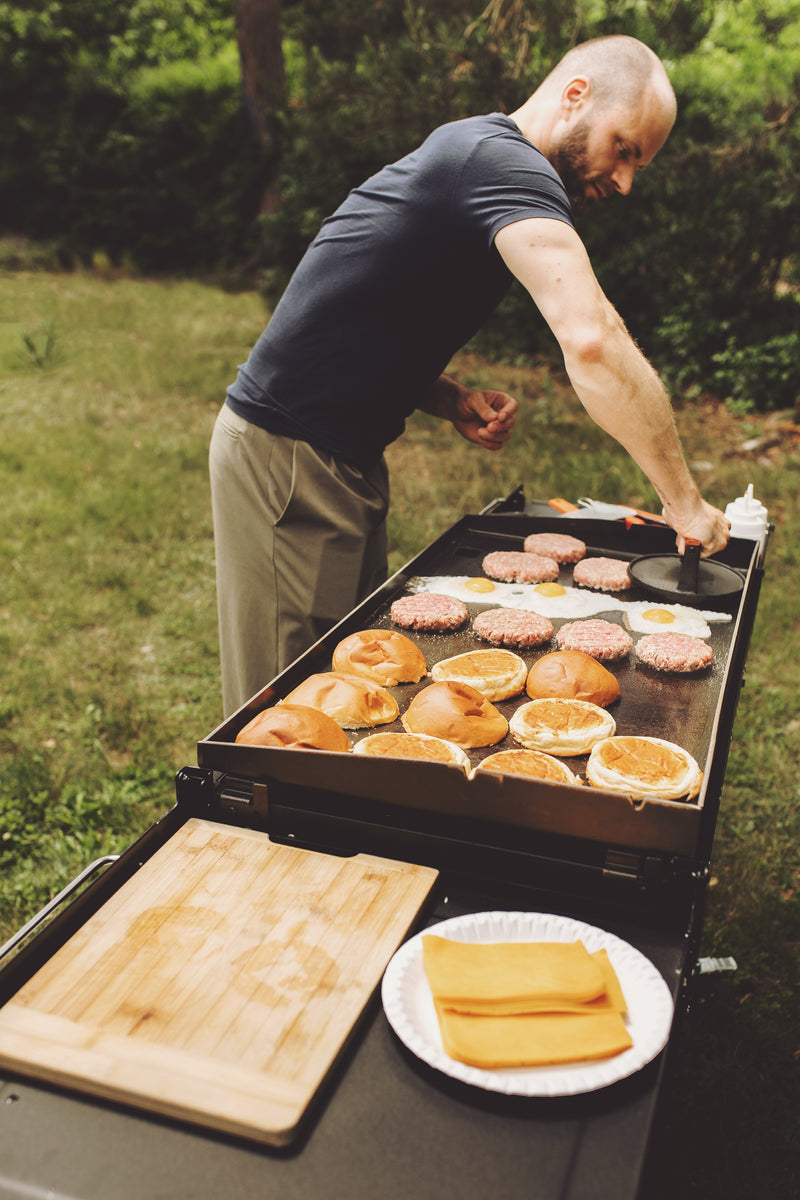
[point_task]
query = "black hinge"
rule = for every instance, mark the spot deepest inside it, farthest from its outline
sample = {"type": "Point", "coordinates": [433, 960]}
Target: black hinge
{"type": "Point", "coordinates": [235, 795]}
{"type": "Point", "coordinates": [215, 792]}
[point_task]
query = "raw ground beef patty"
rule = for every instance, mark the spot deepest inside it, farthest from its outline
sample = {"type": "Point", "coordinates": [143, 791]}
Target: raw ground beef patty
{"type": "Point", "coordinates": [606, 574]}
{"type": "Point", "coordinates": [515, 566]}
{"type": "Point", "coordinates": [561, 547]}
{"type": "Point", "coordinates": [674, 652]}
{"type": "Point", "coordinates": [603, 640]}
{"type": "Point", "coordinates": [510, 627]}
{"type": "Point", "coordinates": [429, 611]}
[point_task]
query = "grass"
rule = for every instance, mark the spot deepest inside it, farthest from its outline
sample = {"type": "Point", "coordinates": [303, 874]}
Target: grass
{"type": "Point", "coordinates": [108, 648]}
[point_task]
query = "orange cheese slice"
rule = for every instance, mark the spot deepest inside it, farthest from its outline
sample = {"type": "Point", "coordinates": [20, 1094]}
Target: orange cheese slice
{"type": "Point", "coordinates": [497, 977]}
{"type": "Point", "coordinates": [532, 1040]}
{"type": "Point", "coordinates": [525, 1004]}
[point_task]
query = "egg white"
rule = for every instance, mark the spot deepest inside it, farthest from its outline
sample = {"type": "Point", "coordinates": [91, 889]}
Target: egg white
{"type": "Point", "coordinates": [691, 621]}
{"type": "Point", "coordinates": [575, 602]}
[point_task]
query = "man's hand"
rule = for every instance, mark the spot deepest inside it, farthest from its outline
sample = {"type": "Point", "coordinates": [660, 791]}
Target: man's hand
{"type": "Point", "coordinates": [485, 418]}
{"type": "Point", "coordinates": [706, 524]}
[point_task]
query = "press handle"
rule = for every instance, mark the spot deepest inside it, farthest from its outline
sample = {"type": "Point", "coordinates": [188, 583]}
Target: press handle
{"type": "Point", "coordinates": [687, 579]}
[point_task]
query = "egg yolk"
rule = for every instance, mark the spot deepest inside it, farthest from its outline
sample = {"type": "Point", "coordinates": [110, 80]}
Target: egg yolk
{"type": "Point", "coordinates": [479, 585]}
{"type": "Point", "coordinates": [659, 616]}
{"type": "Point", "coordinates": [549, 589]}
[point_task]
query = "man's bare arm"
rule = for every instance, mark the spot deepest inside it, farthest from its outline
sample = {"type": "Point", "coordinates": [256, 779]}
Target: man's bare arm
{"type": "Point", "coordinates": [613, 380]}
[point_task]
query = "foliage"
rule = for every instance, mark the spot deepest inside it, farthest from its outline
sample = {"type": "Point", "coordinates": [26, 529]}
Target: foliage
{"type": "Point", "coordinates": [702, 247]}
{"type": "Point", "coordinates": [132, 138]}
{"type": "Point", "coordinates": [692, 259]}
{"type": "Point", "coordinates": [129, 138]}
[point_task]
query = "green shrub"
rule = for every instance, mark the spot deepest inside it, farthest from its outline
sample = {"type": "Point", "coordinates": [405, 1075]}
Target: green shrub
{"type": "Point", "coordinates": [132, 136]}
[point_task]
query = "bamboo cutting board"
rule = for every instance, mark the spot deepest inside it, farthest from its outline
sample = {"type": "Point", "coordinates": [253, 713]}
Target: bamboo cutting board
{"type": "Point", "coordinates": [219, 983]}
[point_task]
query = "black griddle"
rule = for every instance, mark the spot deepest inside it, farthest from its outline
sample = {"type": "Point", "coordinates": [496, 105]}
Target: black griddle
{"type": "Point", "coordinates": [385, 1123]}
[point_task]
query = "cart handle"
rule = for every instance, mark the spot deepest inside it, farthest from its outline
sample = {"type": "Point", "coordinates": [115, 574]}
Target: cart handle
{"type": "Point", "coordinates": [56, 901]}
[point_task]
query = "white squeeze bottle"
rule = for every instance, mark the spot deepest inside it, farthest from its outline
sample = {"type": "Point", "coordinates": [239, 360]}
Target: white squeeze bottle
{"type": "Point", "coordinates": [748, 518]}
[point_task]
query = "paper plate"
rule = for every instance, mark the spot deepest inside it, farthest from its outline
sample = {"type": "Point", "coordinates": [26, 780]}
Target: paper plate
{"type": "Point", "coordinates": [408, 1004]}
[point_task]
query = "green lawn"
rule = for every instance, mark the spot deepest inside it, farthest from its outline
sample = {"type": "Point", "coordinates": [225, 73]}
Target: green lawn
{"type": "Point", "coordinates": [109, 650]}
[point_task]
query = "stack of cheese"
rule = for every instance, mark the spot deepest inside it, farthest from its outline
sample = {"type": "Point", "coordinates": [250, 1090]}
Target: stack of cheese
{"type": "Point", "coordinates": [525, 1004]}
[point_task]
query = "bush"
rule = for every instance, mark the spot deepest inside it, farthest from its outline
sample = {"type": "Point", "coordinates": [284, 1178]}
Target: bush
{"type": "Point", "coordinates": [133, 137]}
{"type": "Point", "coordinates": [692, 258]}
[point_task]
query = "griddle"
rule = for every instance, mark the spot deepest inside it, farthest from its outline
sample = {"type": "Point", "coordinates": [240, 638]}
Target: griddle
{"type": "Point", "coordinates": [516, 822]}
{"type": "Point", "coordinates": [382, 1122]}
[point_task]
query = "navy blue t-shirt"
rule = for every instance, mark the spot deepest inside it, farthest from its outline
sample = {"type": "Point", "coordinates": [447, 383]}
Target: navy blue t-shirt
{"type": "Point", "coordinates": [398, 279]}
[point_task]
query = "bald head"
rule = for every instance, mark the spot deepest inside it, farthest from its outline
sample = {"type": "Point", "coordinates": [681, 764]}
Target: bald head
{"type": "Point", "coordinates": [621, 70]}
{"type": "Point", "coordinates": [601, 115]}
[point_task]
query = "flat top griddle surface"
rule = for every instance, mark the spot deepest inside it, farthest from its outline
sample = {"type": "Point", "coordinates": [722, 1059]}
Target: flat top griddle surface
{"type": "Point", "coordinates": [685, 709]}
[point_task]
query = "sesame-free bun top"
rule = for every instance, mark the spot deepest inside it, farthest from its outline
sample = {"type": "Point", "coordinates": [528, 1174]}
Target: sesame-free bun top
{"type": "Point", "coordinates": [456, 712]}
{"type": "Point", "coordinates": [572, 675]}
{"type": "Point", "coordinates": [532, 764]}
{"type": "Point", "coordinates": [560, 726]}
{"type": "Point", "coordinates": [411, 745]}
{"type": "Point", "coordinates": [645, 767]}
{"type": "Point", "coordinates": [294, 727]}
{"type": "Point", "coordinates": [353, 703]}
{"type": "Point", "coordinates": [383, 656]}
{"type": "Point", "coordinates": [496, 674]}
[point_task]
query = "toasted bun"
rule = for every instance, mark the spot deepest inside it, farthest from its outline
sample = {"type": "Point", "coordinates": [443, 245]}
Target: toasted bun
{"type": "Point", "coordinates": [456, 712]}
{"type": "Point", "coordinates": [644, 767]}
{"type": "Point", "coordinates": [572, 675]}
{"type": "Point", "coordinates": [531, 763]}
{"type": "Point", "coordinates": [294, 727]}
{"type": "Point", "coordinates": [353, 703]}
{"type": "Point", "coordinates": [411, 745]}
{"type": "Point", "coordinates": [383, 656]}
{"type": "Point", "coordinates": [559, 726]}
{"type": "Point", "coordinates": [496, 674]}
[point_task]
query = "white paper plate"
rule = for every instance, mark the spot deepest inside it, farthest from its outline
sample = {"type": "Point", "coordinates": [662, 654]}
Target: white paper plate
{"type": "Point", "coordinates": [408, 1004]}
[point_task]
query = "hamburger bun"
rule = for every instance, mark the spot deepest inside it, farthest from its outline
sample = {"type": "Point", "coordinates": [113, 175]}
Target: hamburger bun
{"type": "Point", "coordinates": [456, 712]}
{"type": "Point", "coordinates": [560, 726]}
{"type": "Point", "coordinates": [644, 767]}
{"type": "Point", "coordinates": [496, 674]}
{"type": "Point", "coordinates": [572, 675]}
{"type": "Point", "coordinates": [533, 764]}
{"type": "Point", "coordinates": [411, 745]}
{"type": "Point", "coordinates": [294, 727]}
{"type": "Point", "coordinates": [383, 656]}
{"type": "Point", "coordinates": [353, 703]}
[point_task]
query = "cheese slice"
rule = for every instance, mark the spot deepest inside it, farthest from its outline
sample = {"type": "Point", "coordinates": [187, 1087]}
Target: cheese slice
{"type": "Point", "coordinates": [531, 1040]}
{"type": "Point", "coordinates": [525, 1004]}
{"type": "Point", "coordinates": [511, 977]}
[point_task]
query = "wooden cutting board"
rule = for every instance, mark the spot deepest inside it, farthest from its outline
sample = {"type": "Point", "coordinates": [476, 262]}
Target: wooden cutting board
{"type": "Point", "coordinates": [219, 983]}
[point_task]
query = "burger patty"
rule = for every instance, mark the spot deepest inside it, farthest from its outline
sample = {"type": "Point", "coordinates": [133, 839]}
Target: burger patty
{"type": "Point", "coordinates": [559, 546]}
{"type": "Point", "coordinates": [515, 566]}
{"type": "Point", "coordinates": [510, 627]}
{"type": "Point", "coordinates": [603, 640]}
{"type": "Point", "coordinates": [605, 574]}
{"type": "Point", "coordinates": [429, 611]}
{"type": "Point", "coordinates": [674, 652]}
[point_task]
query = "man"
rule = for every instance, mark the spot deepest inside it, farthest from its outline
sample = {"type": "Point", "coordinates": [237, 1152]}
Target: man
{"type": "Point", "coordinates": [405, 271]}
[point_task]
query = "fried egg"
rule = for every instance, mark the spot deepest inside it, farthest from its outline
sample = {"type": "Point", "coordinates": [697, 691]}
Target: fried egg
{"type": "Point", "coordinates": [547, 599]}
{"type": "Point", "coordinates": [646, 617]}
{"type": "Point", "coordinates": [558, 600]}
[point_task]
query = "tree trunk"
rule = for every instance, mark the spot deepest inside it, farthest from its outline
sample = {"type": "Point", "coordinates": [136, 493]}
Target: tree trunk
{"type": "Point", "coordinates": [258, 34]}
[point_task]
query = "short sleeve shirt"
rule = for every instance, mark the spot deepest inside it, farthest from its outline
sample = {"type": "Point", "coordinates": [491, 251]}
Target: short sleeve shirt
{"type": "Point", "coordinates": [397, 280]}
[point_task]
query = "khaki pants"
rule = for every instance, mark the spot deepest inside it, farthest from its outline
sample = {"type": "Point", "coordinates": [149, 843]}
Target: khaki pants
{"type": "Point", "coordinates": [300, 539]}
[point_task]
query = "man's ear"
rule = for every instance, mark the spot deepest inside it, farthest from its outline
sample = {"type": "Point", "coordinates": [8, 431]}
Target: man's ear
{"type": "Point", "coordinates": [576, 94]}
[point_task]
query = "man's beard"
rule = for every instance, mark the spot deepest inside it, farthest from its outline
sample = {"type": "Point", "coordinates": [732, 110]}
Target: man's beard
{"type": "Point", "coordinates": [569, 159]}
